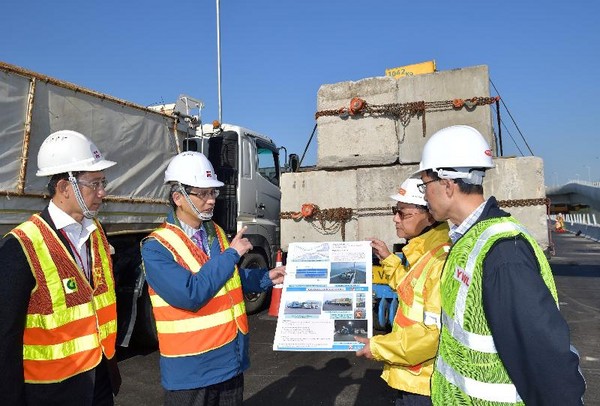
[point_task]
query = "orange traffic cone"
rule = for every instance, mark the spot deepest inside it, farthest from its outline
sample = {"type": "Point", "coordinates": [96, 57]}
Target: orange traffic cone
{"type": "Point", "coordinates": [276, 291]}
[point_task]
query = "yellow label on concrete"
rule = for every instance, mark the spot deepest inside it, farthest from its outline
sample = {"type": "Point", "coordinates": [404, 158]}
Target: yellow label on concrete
{"type": "Point", "coordinates": [411, 70]}
{"type": "Point", "coordinates": [379, 277]}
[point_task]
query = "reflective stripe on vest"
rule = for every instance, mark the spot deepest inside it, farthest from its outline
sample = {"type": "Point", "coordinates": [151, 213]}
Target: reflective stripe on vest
{"type": "Point", "coordinates": [68, 324]}
{"type": "Point", "coordinates": [466, 344]}
{"type": "Point", "coordinates": [411, 303]}
{"type": "Point", "coordinates": [182, 332]}
{"type": "Point", "coordinates": [492, 392]}
{"type": "Point", "coordinates": [472, 259]}
{"type": "Point", "coordinates": [477, 342]}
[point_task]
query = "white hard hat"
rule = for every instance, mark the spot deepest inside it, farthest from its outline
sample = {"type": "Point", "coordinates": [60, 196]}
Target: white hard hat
{"type": "Point", "coordinates": [409, 193]}
{"type": "Point", "coordinates": [460, 147]}
{"type": "Point", "coordinates": [69, 151]}
{"type": "Point", "coordinates": [192, 169]}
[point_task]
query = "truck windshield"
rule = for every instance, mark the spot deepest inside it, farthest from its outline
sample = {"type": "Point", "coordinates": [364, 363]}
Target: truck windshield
{"type": "Point", "coordinates": [266, 165]}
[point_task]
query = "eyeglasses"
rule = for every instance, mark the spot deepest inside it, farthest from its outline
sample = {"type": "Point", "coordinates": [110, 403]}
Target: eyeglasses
{"type": "Point", "coordinates": [423, 186]}
{"type": "Point", "coordinates": [94, 185]}
{"type": "Point", "coordinates": [403, 216]}
{"type": "Point", "coordinates": [205, 194]}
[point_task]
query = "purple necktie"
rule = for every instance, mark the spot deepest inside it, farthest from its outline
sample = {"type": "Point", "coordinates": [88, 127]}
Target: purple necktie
{"type": "Point", "coordinates": [201, 240]}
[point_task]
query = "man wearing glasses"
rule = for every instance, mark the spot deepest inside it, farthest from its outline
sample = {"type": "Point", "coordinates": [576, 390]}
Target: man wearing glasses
{"type": "Point", "coordinates": [196, 291]}
{"type": "Point", "coordinates": [408, 352]}
{"type": "Point", "coordinates": [57, 296]}
{"type": "Point", "coordinates": [503, 339]}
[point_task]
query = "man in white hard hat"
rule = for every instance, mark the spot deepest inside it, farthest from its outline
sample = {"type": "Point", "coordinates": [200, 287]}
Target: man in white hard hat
{"type": "Point", "coordinates": [503, 339]}
{"type": "Point", "coordinates": [408, 352]}
{"type": "Point", "coordinates": [57, 297]}
{"type": "Point", "coordinates": [196, 291]}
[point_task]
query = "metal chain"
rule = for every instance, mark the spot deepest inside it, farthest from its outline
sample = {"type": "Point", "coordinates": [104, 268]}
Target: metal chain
{"type": "Point", "coordinates": [374, 212]}
{"type": "Point", "coordinates": [330, 221]}
{"type": "Point", "coordinates": [405, 111]}
{"type": "Point", "coordinates": [338, 216]}
{"type": "Point", "coordinates": [524, 202]}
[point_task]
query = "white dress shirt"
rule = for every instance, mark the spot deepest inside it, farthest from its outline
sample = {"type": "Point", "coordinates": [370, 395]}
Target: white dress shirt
{"type": "Point", "coordinates": [77, 233]}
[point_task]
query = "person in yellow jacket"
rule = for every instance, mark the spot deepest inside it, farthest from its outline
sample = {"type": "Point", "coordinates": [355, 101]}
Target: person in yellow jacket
{"type": "Point", "coordinates": [58, 316]}
{"type": "Point", "coordinates": [408, 352]}
{"type": "Point", "coordinates": [559, 225]}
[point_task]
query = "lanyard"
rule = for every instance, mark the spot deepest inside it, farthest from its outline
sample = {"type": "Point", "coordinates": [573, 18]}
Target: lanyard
{"type": "Point", "coordinates": [76, 252]}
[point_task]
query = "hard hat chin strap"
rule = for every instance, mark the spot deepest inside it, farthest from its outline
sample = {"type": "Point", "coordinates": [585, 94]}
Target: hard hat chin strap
{"type": "Point", "coordinates": [87, 213]}
{"type": "Point", "coordinates": [201, 215]}
{"type": "Point", "coordinates": [468, 175]}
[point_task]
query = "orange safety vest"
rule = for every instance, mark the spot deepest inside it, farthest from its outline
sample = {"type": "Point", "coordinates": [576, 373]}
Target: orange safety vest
{"type": "Point", "coordinates": [69, 324]}
{"type": "Point", "coordinates": [411, 292]}
{"type": "Point", "coordinates": [184, 332]}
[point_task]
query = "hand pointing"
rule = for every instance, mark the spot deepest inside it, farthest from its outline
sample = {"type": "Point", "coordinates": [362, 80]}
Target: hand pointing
{"type": "Point", "coordinates": [241, 244]}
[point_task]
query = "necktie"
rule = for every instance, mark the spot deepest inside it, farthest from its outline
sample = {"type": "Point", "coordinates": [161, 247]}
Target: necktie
{"type": "Point", "coordinates": [201, 240]}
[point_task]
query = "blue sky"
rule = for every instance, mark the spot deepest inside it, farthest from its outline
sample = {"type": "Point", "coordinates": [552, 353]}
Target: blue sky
{"type": "Point", "coordinates": [276, 54]}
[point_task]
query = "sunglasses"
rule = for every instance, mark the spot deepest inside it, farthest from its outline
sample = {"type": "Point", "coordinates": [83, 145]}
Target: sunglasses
{"type": "Point", "coordinates": [403, 216]}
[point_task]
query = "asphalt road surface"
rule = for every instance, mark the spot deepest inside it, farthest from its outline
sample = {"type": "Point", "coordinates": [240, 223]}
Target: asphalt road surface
{"type": "Point", "coordinates": [341, 379]}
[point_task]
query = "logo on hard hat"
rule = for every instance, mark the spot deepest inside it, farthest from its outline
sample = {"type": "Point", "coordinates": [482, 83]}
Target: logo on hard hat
{"type": "Point", "coordinates": [401, 192]}
{"type": "Point", "coordinates": [96, 154]}
{"type": "Point", "coordinates": [488, 152]}
{"type": "Point", "coordinates": [208, 174]}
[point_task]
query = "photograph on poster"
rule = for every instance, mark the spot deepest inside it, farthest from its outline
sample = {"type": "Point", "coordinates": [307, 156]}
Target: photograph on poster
{"type": "Point", "coordinates": [334, 302]}
{"type": "Point", "coordinates": [302, 307]}
{"type": "Point", "coordinates": [345, 330]}
{"type": "Point", "coordinates": [348, 272]}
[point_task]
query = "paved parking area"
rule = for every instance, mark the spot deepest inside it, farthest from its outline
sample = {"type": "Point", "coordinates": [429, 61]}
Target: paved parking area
{"type": "Point", "coordinates": [341, 379]}
{"type": "Point", "coordinates": [576, 268]}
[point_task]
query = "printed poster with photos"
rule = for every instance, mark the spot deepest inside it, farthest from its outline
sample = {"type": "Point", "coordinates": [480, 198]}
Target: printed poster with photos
{"type": "Point", "coordinates": [327, 297]}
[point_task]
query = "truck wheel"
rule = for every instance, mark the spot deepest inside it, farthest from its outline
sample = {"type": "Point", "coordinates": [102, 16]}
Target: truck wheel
{"type": "Point", "coordinates": [381, 308]}
{"type": "Point", "coordinates": [255, 302]}
{"type": "Point", "coordinates": [144, 332]}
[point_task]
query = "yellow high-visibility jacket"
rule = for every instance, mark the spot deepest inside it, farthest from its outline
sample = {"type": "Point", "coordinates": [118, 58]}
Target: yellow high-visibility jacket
{"type": "Point", "coordinates": [408, 352]}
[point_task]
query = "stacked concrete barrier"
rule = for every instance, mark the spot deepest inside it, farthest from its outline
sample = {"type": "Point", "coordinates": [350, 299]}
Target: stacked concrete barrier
{"type": "Point", "coordinates": [363, 158]}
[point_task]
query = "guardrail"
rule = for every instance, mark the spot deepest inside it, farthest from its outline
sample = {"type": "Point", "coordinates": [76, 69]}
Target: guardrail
{"type": "Point", "coordinates": [584, 224]}
{"type": "Point", "coordinates": [584, 182]}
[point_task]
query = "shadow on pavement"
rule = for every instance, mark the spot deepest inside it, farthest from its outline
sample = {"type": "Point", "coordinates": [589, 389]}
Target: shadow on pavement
{"type": "Point", "coordinates": [576, 270]}
{"type": "Point", "coordinates": [124, 353]}
{"type": "Point", "coordinates": [307, 385]}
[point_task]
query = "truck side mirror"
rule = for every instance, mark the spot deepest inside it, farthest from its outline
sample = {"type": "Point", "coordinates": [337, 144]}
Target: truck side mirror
{"type": "Point", "coordinates": [294, 162]}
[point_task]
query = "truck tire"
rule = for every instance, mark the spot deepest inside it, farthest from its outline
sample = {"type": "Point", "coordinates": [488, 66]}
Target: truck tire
{"type": "Point", "coordinates": [144, 332]}
{"type": "Point", "coordinates": [381, 314]}
{"type": "Point", "coordinates": [255, 302]}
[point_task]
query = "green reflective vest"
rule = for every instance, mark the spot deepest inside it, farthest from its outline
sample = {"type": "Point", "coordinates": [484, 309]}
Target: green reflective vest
{"type": "Point", "coordinates": [468, 369]}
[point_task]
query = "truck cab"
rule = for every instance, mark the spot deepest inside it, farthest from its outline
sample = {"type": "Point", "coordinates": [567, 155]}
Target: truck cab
{"type": "Point", "coordinates": [248, 163]}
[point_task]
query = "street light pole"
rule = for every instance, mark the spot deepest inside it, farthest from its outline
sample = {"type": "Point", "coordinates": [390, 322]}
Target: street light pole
{"type": "Point", "coordinates": [219, 59]}
{"type": "Point", "coordinates": [589, 173]}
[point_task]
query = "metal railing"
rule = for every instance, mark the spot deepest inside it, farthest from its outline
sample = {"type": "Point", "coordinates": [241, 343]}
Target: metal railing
{"type": "Point", "coordinates": [584, 182]}
{"type": "Point", "coordinates": [583, 224]}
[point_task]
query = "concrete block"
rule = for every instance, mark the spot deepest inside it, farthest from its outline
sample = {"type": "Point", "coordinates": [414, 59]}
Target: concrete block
{"type": "Point", "coordinates": [326, 189]}
{"type": "Point", "coordinates": [515, 180]}
{"type": "Point", "coordinates": [356, 140]}
{"type": "Point", "coordinates": [366, 191]}
{"type": "Point", "coordinates": [369, 140]}
{"type": "Point", "coordinates": [445, 85]}
{"type": "Point", "coordinates": [374, 213]}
